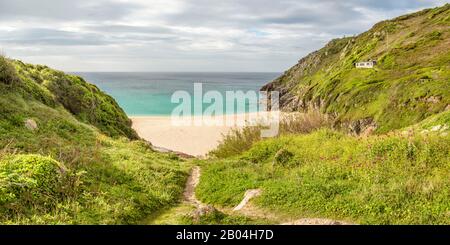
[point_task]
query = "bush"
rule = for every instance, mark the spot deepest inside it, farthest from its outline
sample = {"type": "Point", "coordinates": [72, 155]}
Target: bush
{"type": "Point", "coordinates": [240, 140]}
{"type": "Point", "coordinates": [283, 157]}
{"type": "Point", "coordinates": [29, 179]}
{"type": "Point", "coordinates": [237, 141]}
{"type": "Point", "coordinates": [302, 123]}
{"type": "Point", "coordinates": [90, 104]}
{"type": "Point", "coordinates": [8, 73]}
{"type": "Point", "coordinates": [87, 102]}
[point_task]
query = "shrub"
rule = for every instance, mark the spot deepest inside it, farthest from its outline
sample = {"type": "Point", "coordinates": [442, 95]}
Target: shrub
{"type": "Point", "coordinates": [302, 123]}
{"type": "Point", "coordinates": [86, 101]}
{"type": "Point", "coordinates": [237, 141]}
{"type": "Point", "coordinates": [240, 140]}
{"type": "Point", "coordinates": [29, 179]}
{"type": "Point", "coordinates": [90, 104]}
{"type": "Point", "coordinates": [283, 157]}
{"type": "Point", "coordinates": [8, 73]}
{"type": "Point", "coordinates": [434, 35]}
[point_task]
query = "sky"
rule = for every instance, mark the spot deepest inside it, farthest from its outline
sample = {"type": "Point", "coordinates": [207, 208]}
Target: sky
{"type": "Point", "coordinates": [184, 35]}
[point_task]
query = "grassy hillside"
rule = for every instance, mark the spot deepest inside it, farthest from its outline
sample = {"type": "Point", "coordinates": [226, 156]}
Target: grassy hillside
{"type": "Point", "coordinates": [410, 82]}
{"type": "Point", "coordinates": [399, 178]}
{"type": "Point", "coordinates": [84, 100]}
{"type": "Point", "coordinates": [313, 169]}
{"type": "Point", "coordinates": [58, 161]}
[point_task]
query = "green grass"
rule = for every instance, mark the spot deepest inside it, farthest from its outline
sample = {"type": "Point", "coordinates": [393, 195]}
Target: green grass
{"type": "Point", "coordinates": [391, 179]}
{"type": "Point", "coordinates": [219, 218]}
{"type": "Point", "coordinates": [180, 214]}
{"type": "Point", "coordinates": [69, 170]}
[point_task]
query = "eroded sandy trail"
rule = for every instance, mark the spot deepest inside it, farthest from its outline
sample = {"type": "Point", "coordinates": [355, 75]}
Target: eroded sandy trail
{"type": "Point", "coordinates": [191, 184]}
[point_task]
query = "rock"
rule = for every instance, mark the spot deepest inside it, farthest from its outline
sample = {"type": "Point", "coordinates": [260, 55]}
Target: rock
{"type": "Point", "coordinates": [433, 99]}
{"type": "Point", "coordinates": [359, 127]}
{"type": "Point", "coordinates": [201, 211]}
{"type": "Point", "coordinates": [368, 131]}
{"type": "Point", "coordinates": [31, 124]}
{"type": "Point", "coordinates": [436, 128]}
{"type": "Point", "coordinates": [247, 196]}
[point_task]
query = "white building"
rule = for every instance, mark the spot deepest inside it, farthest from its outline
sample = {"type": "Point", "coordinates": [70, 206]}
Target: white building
{"type": "Point", "coordinates": [366, 64]}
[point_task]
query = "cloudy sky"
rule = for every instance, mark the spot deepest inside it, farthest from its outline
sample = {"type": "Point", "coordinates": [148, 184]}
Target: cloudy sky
{"type": "Point", "coordinates": [183, 35]}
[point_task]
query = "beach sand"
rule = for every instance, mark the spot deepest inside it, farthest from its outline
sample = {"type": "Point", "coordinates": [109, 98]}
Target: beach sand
{"type": "Point", "coordinates": [193, 140]}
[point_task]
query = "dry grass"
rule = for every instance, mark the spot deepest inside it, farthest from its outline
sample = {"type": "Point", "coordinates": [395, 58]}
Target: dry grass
{"type": "Point", "coordinates": [8, 74]}
{"type": "Point", "coordinates": [303, 123]}
{"type": "Point", "coordinates": [240, 140]}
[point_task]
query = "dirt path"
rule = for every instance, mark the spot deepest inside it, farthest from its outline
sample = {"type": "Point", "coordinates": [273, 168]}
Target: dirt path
{"type": "Point", "coordinates": [191, 184]}
{"type": "Point", "coordinates": [246, 208]}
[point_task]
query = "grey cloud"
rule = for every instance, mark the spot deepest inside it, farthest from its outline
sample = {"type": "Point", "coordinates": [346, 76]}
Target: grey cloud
{"type": "Point", "coordinates": [254, 34]}
{"type": "Point", "coordinates": [65, 10]}
{"type": "Point", "coordinates": [49, 37]}
{"type": "Point", "coordinates": [42, 36]}
{"type": "Point", "coordinates": [128, 29]}
{"type": "Point", "coordinates": [392, 5]}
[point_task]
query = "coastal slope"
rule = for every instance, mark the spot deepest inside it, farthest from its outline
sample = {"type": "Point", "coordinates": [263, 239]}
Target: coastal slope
{"type": "Point", "coordinates": [68, 154]}
{"type": "Point", "coordinates": [410, 81]}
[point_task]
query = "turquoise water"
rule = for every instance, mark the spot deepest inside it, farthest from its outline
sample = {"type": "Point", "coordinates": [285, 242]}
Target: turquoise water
{"type": "Point", "coordinates": [150, 93]}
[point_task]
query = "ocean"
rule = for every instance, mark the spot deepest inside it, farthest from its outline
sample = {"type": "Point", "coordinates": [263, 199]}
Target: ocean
{"type": "Point", "coordinates": [150, 93]}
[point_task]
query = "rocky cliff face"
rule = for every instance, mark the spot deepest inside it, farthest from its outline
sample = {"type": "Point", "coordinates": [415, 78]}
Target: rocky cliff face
{"type": "Point", "coordinates": [410, 82]}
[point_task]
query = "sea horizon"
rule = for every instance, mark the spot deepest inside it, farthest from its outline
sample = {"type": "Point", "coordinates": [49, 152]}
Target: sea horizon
{"type": "Point", "coordinates": [149, 93]}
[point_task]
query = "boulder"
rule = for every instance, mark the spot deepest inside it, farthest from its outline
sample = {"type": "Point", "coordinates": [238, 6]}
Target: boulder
{"type": "Point", "coordinates": [31, 124]}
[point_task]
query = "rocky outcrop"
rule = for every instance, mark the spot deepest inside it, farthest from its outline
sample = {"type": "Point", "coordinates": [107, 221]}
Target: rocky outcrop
{"type": "Point", "coordinates": [363, 126]}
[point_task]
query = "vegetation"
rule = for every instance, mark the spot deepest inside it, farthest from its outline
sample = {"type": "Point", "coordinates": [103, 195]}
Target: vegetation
{"type": "Point", "coordinates": [390, 179]}
{"type": "Point", "coordinates": [84, 100]}
{"type": "Point", "coordinates": [30, 180]}
{"type": "Point", "coordinates": [7, 72]}
{"type": "Point", "coordinates": [396, 175]}
{"type": "Point", "coordinates": [67, 169]}
{"type": "Point", "coordinates": [240, 140]}
{"type": "Point", "coordinates": [409, 83]}
{"type": "Point", "coordinates": [69, 156]}
{"type": "Point", "coordinates": [220, 218]}
{"type": "Point", "coordinates": [182, 214]}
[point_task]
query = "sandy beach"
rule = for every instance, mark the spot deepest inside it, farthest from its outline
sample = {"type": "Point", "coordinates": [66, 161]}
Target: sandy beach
{"type": "Point", "coordinates": [195, 140]}
{"type": "Point", "coordinates": [192, 140]}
